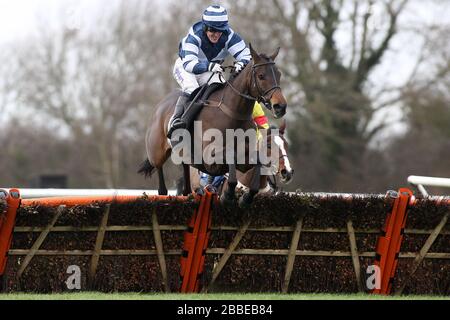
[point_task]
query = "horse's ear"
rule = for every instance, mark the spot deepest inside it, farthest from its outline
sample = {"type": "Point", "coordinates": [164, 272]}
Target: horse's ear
{"type": "Point", "coordinates": [255, 54]}
{"type": "Point", "coordinates": [274, 56]}
{"type": "Point", "coordinates": [283, 127]}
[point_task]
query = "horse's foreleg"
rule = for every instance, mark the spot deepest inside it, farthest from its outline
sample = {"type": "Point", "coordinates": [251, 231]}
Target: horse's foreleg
{"type": "Point", "coordinates": [230, 194]}
{"type": "Point", "coordinates": [232, 182]}
{"type": "Point", "coordinates": [248, 197]}
{"type": "Point", "coordinates": [187, 180]}
{"type": "Point", "coordinates": [162, 191]}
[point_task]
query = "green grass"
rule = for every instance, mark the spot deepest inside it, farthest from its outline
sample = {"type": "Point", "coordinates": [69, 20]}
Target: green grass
{"type": "Point", "coordinates": [138, 296]}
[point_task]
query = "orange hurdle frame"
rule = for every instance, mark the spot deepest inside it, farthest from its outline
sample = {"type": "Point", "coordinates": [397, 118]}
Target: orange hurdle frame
{"type": "Point", "coordinates": [196, 244]}
{"type": "Point", "coordinates": [389, 245]}
{"type": "Point", "coordinates": [7, 223]}
{"type": "Point", "coordinates": [196, 238]}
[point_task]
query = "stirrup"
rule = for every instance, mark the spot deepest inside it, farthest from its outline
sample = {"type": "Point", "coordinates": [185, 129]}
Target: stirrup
{"type": "Point", "coordinates": [176, 124]}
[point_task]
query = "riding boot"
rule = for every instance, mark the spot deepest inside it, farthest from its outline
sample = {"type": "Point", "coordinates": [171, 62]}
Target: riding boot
{"type": "Point", "coordinates": [175, 122]}
{"type": "Point", "coordinates": [191, 113]}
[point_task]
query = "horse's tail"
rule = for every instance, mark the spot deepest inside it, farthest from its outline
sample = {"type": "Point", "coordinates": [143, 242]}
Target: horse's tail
{"type": "Point", "coordinates": [146, 169]}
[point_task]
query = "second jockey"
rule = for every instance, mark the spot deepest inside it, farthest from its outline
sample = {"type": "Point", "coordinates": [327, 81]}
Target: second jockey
{"type": "Point", "coordinates": [208, 43]}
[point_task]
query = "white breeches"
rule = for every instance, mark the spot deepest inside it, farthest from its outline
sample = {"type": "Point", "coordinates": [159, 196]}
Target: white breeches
{"type": "Point", "coordinates": [189, 81]}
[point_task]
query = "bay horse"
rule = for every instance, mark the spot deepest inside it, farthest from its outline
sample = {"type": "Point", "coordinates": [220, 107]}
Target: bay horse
{"type": "Point", "coordinates": [281, 168]}
{"type": "Point", "coordinates": [229, 108]}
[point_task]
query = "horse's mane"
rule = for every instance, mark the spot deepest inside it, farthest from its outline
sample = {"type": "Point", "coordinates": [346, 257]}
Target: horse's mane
{"type": "Point", "coordinates": [235, 75]}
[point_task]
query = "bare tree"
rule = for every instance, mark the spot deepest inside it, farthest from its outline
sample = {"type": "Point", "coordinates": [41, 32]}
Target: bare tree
{"type": "Point", "coordinates": [7, 91]}
{"type": "Point", "coordinates": [97, 82]}
{"type": "Point", "coordinates": [330, 50]}
{"type": "Point", "coordinates": [101, 84]}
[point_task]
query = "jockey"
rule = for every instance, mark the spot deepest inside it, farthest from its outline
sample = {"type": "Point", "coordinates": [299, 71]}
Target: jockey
{"type": "Point", "coordinates": [201, 53]}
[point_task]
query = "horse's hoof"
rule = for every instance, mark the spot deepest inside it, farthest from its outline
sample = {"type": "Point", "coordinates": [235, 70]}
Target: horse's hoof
{"type": "Point", "coordinates": [227, 201]}
{"type": "Point", "coordinates": [244, 203]}
{"type": "Point", "coordinates": [210, 188]}
{"type": "Point", "coordinates": [191, 197]}
{"type": "Point", "coordinates": [200, 191]}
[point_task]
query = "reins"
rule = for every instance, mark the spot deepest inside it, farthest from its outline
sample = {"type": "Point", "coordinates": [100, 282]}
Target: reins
{"type": "Point", "coordinates": [261, 95]}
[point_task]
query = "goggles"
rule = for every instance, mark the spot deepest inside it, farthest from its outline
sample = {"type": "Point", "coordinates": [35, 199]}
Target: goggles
{"type": "Point", "coordinates": [213, 30]}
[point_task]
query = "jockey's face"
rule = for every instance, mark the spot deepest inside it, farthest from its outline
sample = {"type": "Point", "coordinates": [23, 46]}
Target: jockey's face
{"type": "Point", "coordinates": [214, 36]}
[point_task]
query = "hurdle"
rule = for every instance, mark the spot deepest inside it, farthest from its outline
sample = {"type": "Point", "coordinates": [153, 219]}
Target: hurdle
{"type": "Point", "coordinates": [198, 244]}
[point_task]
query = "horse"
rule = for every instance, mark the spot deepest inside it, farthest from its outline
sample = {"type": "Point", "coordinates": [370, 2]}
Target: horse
{"type": "Point", "coordinates": [268, 183]}
{"type": "Point", "coordinates": [227, 108]}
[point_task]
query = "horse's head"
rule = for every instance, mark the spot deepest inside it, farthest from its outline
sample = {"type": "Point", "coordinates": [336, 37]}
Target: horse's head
{"type": "Point", "coordinates": [265, 83]}
{"type": "Point", "coordinates": [279, 153]}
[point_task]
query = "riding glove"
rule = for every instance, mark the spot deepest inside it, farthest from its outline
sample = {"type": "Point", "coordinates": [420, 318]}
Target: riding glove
{"type": "Point", "coordinates": [215, 67]}
{"type": "Point", "coordinates": [238, 66]}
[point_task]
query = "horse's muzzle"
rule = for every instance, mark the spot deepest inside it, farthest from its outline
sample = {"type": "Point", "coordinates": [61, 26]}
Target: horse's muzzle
{"type": "Point", "coordinates": [286, 176]}
{"type": "Point", "coordinates": [279, 110]}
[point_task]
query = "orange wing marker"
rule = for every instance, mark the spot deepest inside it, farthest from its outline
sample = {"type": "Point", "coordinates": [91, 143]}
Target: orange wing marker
{"type": "Point", "coordinates": [7, 223]}
{"type": "Point", "coordinates": [195, 244]}
{"type": "Point", "coordinates": [389, 245]}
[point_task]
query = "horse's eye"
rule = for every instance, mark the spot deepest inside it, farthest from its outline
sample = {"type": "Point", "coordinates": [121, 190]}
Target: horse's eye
{"type": "Point", "coordinates": [261, 76]}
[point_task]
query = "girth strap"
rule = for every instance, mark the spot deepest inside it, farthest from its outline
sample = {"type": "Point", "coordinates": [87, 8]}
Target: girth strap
{"type": "Point", "coordinates": [225, 109]}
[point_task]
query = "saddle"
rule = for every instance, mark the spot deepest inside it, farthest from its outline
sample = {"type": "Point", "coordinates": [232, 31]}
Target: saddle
{"type": "Point", "coordinates": [199, 99]}
{"type": "Point", "coordinates": [207, 90]}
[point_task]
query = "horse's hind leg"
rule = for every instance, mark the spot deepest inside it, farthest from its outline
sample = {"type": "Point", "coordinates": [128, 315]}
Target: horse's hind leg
{"type": "Point", "coordinates": [229, 195]}
{"type": "Point", "coordinates": [246, 200]}
{"type": "Point", "coordinates": [187, 180]}
{"type": "Point", "coordinates": [180, 186]}
{"type": "Point", "coordinates": [162, 191]}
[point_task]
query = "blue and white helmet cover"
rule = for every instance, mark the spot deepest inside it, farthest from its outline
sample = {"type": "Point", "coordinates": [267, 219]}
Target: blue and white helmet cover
{"type": "Point", "coordinates": [216, 17]}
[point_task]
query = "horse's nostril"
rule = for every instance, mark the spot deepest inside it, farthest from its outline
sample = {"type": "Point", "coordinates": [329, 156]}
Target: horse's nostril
{"type": "Point", "coordinates": [280, 109]}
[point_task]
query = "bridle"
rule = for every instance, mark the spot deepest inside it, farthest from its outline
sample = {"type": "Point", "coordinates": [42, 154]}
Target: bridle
{"type": "Point", "coordinates": [262, 95]}
{"type": "Point", "coordinates": [254, 83]}
{"type": "Point", "coordinates": [272, 178]}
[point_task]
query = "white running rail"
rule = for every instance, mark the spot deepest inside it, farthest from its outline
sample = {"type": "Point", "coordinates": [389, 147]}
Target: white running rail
{"type": "Point", "coordinates": [52, 193]}
{"type": "Point", "coordinates": [420, 182]}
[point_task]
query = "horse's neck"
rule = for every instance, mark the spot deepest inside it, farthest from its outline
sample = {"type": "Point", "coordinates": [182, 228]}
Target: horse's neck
{"type": "Point", "coordinates": [236, 102]}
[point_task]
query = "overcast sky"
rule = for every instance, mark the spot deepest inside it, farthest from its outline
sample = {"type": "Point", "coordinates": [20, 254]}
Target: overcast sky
{"type": "Point", "coordinates": [20, 18]}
